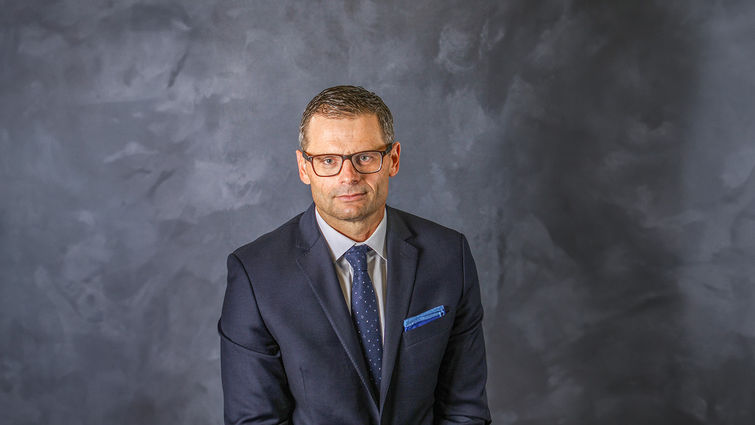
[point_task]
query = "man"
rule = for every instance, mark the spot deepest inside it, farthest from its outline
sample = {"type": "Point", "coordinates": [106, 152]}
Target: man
{"type": "Point", "coordinates": [352, 312]}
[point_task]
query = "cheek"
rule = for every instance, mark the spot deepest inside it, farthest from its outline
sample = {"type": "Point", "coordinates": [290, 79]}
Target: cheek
{"type": "Point", "coordinates": [379, 184]}
{"type": "Point", "coordinates": [319, 189]}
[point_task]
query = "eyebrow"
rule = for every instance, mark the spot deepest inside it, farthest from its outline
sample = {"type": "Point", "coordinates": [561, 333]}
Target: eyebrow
{"type": "Point", "coordinates": [334, 153]}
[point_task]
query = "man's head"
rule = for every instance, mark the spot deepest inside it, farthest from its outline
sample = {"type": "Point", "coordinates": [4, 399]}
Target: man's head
{"type": "Point", "coordinates": [345, 120]}
{"type": "Point", "coordinates": [343, 102]}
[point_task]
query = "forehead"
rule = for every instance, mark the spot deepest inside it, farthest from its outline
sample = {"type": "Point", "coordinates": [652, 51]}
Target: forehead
{"type": "Point", "coordinates": [344, 134]}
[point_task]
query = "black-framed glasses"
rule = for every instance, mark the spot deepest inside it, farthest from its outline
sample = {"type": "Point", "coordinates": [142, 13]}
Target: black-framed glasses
{"type": "Point", "coordinates": [330, 164]}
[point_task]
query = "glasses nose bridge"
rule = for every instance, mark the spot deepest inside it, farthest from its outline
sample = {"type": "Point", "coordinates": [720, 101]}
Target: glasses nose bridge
{"type": "Point", "coordinates": [348, 158]}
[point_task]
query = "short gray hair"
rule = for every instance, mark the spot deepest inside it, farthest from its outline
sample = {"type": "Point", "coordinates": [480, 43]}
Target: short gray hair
{"type": "Point", "coordinates": [347, 101]}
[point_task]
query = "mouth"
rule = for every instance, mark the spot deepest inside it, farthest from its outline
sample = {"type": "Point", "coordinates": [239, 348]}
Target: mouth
{"type": "Point", "coordinates": [348, 197]}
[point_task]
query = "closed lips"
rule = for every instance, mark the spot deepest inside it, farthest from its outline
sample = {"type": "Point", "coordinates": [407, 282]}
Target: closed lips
{"type": "Point", "coordinates": [351, 195]}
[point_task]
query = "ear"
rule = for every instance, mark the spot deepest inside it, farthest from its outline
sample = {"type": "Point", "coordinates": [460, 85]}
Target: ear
{"type": "Point", "coordinates": [395, 159]}
{"type": "Point", "coordinates": [301, 164]}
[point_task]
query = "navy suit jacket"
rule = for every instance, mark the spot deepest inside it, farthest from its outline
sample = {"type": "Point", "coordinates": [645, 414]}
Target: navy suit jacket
{"type": "Point", "coordinates": [290, 354]}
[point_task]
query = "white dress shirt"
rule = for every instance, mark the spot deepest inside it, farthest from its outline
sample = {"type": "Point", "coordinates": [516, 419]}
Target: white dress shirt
{"type": "Point", "coordinates": [338, 244]}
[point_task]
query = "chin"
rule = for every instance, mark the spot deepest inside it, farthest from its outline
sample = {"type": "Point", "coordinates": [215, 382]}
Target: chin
{"type": "Point", "coordinates": [352, 214]}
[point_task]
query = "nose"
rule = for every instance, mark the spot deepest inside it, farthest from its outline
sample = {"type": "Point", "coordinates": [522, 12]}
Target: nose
{"type": "Point", "coordinates": [348, 173]}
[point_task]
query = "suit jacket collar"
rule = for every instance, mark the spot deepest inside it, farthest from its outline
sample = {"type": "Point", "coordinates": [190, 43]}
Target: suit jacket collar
{"type": "Point", "coordinates": [315, 261]}
{"type": "Point", "coordinates": [309, 233]}
{"type": "Point", "coordinates": [402, 268]}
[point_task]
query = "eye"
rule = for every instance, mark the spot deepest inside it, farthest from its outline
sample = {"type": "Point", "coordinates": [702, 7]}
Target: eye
{"type": "Point", "coordinates": [365, 157]}
{"type": "Point", "coordinates": [327, 161]}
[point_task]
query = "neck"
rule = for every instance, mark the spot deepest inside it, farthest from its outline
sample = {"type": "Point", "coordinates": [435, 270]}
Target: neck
{"type": "Point", "coordinates": [358, 231]}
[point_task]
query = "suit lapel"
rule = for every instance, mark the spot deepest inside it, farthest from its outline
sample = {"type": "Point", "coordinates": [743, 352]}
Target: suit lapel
{"type": "Point", "coordinates": [316, 263]}
{"type": "Point", "coordinates": [402, 267]}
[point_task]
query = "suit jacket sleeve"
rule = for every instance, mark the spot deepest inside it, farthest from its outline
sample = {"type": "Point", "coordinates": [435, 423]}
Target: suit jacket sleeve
{"type": "Point", "coordinates": [460, 394]}
{"type": "Point", "coordinates": [255, 388]}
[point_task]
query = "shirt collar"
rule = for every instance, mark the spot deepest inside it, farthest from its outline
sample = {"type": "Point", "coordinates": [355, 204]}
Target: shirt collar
{"type": "Point", "coordinates": [338, 243]}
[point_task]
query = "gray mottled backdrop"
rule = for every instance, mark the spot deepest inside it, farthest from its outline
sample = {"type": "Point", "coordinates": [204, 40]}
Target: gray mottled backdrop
{"type": "Point", "coordinates": [598, 155]}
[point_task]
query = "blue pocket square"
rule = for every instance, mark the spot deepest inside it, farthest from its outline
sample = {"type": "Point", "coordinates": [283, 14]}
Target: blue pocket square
{"type": "Point", "coordinates": [423, 318]}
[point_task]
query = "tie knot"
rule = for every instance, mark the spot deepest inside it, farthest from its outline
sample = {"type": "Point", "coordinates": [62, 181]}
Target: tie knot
{"type": "Point", "coordinates": [357, 257]}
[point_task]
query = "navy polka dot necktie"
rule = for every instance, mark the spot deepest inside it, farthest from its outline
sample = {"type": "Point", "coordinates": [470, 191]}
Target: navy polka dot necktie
{"type": "Point", "coordinates": [364, 312]}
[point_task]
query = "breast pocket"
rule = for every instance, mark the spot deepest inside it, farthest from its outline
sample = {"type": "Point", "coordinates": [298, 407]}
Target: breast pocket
{"type": "Point", "coordinates": [440, 327]}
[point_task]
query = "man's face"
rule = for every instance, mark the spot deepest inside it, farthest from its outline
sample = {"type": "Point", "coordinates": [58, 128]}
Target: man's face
{"type": "Point", "coordinates": [349, 195]}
